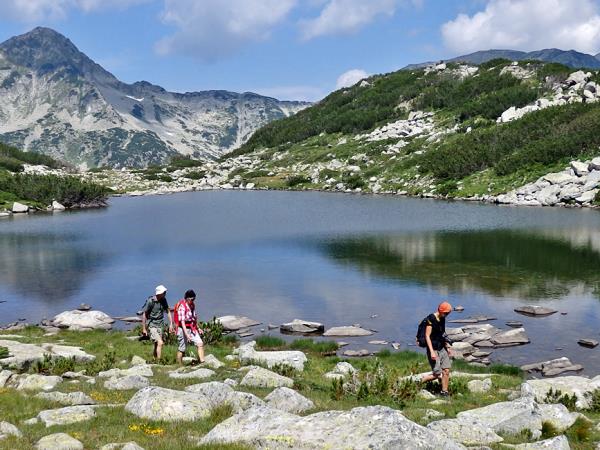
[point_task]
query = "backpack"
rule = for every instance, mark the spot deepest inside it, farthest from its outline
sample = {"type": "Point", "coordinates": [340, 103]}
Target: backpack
{"type": "Point", "coordinates": [421, 342]}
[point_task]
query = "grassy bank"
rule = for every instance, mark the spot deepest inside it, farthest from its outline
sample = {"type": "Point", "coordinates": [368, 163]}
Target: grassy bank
{"type": "Point", "coordinates": [114, 424]}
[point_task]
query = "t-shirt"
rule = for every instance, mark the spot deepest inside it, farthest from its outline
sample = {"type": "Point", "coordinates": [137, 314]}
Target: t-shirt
{"type": "Point", "coordinates": [438, 330]}
{"type": "Point", "coordinates": [155, 310]}
{"type": "Point", "coordinates": [186, 313]}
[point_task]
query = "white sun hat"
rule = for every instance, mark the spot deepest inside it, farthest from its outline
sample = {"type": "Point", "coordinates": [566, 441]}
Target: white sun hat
{"type": "Point", "coordinates": [160, 289]}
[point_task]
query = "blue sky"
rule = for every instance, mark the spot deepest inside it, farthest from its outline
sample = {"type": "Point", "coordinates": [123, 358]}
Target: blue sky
{"type": "Point", "coordinates": [296, 49]}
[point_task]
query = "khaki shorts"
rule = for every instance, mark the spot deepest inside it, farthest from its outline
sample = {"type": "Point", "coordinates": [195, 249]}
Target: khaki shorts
{"type": "Point", "coordinates": [156, 334]}
{"type": "Point", "coordinates": [442, 361]}
{"type": "Point", "coordinates": [182, 341]}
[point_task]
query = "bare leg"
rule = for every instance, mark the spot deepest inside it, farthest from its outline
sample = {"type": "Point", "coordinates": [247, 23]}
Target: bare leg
{"type": "Point", "coordinates": [430, 377]}
{"type": "Point", "coordinates": [158, 349]}
{"type": "Point", "coordinates": [445, 379]}
{"type": "Point", "coordinates": [201, 353]}
{"type": "Point", "coordinates": [179, 358]}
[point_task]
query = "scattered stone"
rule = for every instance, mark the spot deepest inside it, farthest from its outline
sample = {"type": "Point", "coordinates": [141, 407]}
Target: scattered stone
{"type": "Point", "coordinates": [438, 402]}
{"type": "Point", "coordinates": [137, 361]}
{"type": "Point", "coordinates": [68, 399]}
{"type": "Point", "coordinates": [459, 308]}
{"type": "Point", "coordinates": [569, 385]}
{"type": "Point", "coordinates": [259, 377]}
{"type": "Point", "coordinates": [35, 382]}
{"type": "Point", "coordinates": [342, 344]}
{"type": "Point", "coordinates": [480, 386]}
{"type": "Point", "coordinates": [366, 427]}
{"type": "Point", "coordinates": [396, 345]}
{"type": "Point", "coordinates": [19, 208]}
{"type": "Point", "coordinates": [84, 307]}
{"type": "Point", "coordinates": [184, 373]}
{"type": "Point", "coordinates": [341, 370]}
{"type": "Point", "coordinates": [378, 342]}
{"type": "Point", "coordinates": [433, 414]}
{"type": "Point", "coordinates": [58, 441]}
{"type": "Point", "coordinates": [212, 362]}
{"type": "Point", "coordinates": [534, 310]}
{"type": "Point", "coordinates": [356, 353]}
{"type": "Point", "coordinates": [590, 343]}
{"type": "Point", "coordinates": [512, 337]}
{"type": "Point", "coordinates": [553, 367]}
{"type": "Point", "coordinates": [303, 327]}
{"type": "Point", "coordinates": [169, 405]}
{"type": "Point", "coordinates": [8, 429]}
{"type": "Point", "coordinates": [23, 355]}
{"type": "Point", "coordinates": [219, 394]}
{"type": "Point", "coordinates": [4, 377]}
{"type": "Point", "coordinates": [347, 331]}
{"type": "Point", "coordinates": [514, 324]}
{"type": "Point", "coordinates": [83, 320]}
{"type": "Point", "coordinates": [473, 319]}
{"type": "Point", "coordinates": [293, 358]}
{"type": "Point", "coordinates": [245, 334]}
{"type": "Point", "coordinates": [122, 446]}
{"type": "Point", "coordinates": [234, 323]}
{"type": "Point", "coordinates": [126, 383]}
{"type": "Point", "coordinates": [555, 443]}
{"type": "Point", "coordinates": [288, 400]}
{"type": "Point", "coordinates": [426, 395]}
{"type": "Point", "coordinates": [272, 327]}
{"type": "Point", "coordinates": [66, 415]}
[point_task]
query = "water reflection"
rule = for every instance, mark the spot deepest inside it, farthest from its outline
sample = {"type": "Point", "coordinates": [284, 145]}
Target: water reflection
{"type": "Point", "coordinates": [506, 263]}
{"type": "Point", "coordinates": [46, 267]}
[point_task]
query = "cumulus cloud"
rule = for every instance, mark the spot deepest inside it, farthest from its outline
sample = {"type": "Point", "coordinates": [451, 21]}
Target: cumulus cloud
{"type": "Point", "coordinates": [345, 16]}
{"type": "Point", "coordinates": [212, 29]}
{"type": "Point", "coordinates": [39, 10]}
{"type": "Point", "coordinates": [350, 78]}
{"type": "Point", "coordinates": [527, 25]}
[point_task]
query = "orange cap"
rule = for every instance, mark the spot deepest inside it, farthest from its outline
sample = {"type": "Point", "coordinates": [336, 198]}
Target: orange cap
{"type": "Point", "coordinates": [445, 307]}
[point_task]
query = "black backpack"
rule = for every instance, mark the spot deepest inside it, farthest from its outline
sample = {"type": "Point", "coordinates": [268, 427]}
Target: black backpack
{"type": "Point", "coordinates": [421, 342]}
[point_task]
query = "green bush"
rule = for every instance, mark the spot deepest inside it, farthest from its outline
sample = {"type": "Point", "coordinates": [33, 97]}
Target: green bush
{"type": "Point", "coordinates": [213, 331]}
{"type": "Point", "coordinates": [4, 352]}
{"type": "Point", "coordinates": [10, 153]}
{"type": "Point", "coordinates": [295, 180]}
{"type": "Point", "coordinates": [11, 164]}
{"type": "Point", "coordinates": [556, 396]}
{"type": "Point", "coordinates": [195, 175]}
{"type": "Point", "coordinates": [98, 365]}
{"type": "Point", "coordinates": [353, 181]}
{"type": "Point", "coordinates": [181, 161]}
{"type": "Point", "coordinates": [580, 431]}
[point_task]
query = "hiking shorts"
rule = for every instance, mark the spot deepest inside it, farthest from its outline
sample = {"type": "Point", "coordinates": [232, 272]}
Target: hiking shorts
{"type": "Point", "coordinates": [156, 334]}
{"type": "Point", "coordinates": [182, 341]}
{"type": "Point", "coordinates": [441, 362]}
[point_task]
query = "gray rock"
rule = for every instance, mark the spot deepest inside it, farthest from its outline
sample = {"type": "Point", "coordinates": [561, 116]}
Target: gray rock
{"type": "Point", "coordinates": [549, 196]}
{"type": "Point", "coordinates": [83, 320]}
{"type": "Point", "coordinates": [298, 326]}
{"type": "Point", "coordinates": [553, 367]}
{"type": "Point", "coordinates": [558, 415]}
{"type": "Point", "coordinates": [259, 377]}
{"type": "Point", "coordinates": [58, 441]}
{"type": "Point", "coordinates": [580, 168]}
{"type": "Point", "coordinates": [137, 361]}
{"type": "Point", "coordinates": [480, 386]}
{"type": "Point", "coordinates": [587, 197]}
{"type": "Point", "coordinates": [515, 336]}
{"type": "Point", "coordinates": [357, 353]}
{"type": "Point", "coordinates": [234, 323]}
{"type": "Point", "coordinates": [126, 383]}
{"type": "Point", "coordinates": [467, 432]}
{"type": "Point", "coordinates": [169, 405]}
{"type": "Point", "coordinates": [555, 443]}
{"type": "Point", "coordinates": [293, 358]}
{"type": "Point", "coordinates": [534, 310]}
{"type": "Point", "coordinates": [66, 415]}
{"type": "Point", "coordinates": [57, 206]}
{"type": "Point", "coordinates": [69, 399]}
{"type": "Point", "coordinates": [595, 163]}
{"type": "Point", "coordinates": [560, 178]}
{"type": "Point", "coordinates": [184, 373]}
{"type": "Point", "coordinates": [141, 370]}
{"type": "Point", "coordinates": [4, 377]}
{"type": "Point", "coordinates": [212, 362]}
{"type": "Point", "coordinates": [219, 394]}
{"type": "Point", "coordinates": [347, 331]}
{"type": "Point", "coordinates": [122, 446]}
{"type": "Point", "coordinates": [23, 355]}
{"type": "Point", "coordinates": [374, 427]}
{"type": "Point", "coordinates": [288, 400]}
{"type": "Point", "coordinates": [569, 385]}
{"type": "Point", "coordinates": [19, 208]}
{"type": "Point", "coordinates": [35, 382]}
{"type": "Point", "coordinates": [591, 343]}
{"type": "Point", "coordinates": [8, 429]}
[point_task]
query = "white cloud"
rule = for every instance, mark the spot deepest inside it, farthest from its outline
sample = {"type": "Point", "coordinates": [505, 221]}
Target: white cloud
{"type": "Point", "coordinates": [39, 10]}
{"type": "Point", "coordinates": [527, 25]}
{"type": "Point", "coordinates": [350, 78]}
{"type": "Point", "coordinates": [212, 29]}
{"type": "Point", "coordinates": [345, 17]}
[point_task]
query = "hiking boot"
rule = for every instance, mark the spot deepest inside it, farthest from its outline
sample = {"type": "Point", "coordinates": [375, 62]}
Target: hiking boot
{"type": "Point", "coordinates": [444, 394]}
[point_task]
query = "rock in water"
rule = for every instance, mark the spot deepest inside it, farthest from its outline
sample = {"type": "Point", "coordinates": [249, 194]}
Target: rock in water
{"type": "Point", "coordinates": [373, 427]}
{"type": "Point", "coordinates": [512, 337]}
{"type": "Point", "coordinates": [58, 441]}
{"type": "Point", "coordinates": [298, 326]}
{"type": "Point", "coordinates": [534, 310]}
{"type": "Point", "coordinates": [347, 331]}
{"type": "Point", "coordinates": [18, 208]}
{"type": "Point", "coordinates": [590, 343]}
{"type": "Point", "coordinates": [83, 320]}
{"type": "Point", "coordinates": [57, 206]}
{"type": "Point", "coordinates": [234, 323]}
{"type": "Point", "coordinates": [288, 400]}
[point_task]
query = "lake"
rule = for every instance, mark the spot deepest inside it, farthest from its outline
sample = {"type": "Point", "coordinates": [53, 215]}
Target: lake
{"type": "Point", "coordinates": [333, 258]}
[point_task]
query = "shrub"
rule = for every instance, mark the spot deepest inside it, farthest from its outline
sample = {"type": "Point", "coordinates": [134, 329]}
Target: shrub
{"type": "Point", "coordinates": [283, 369]}
{"type": "Point", "coordinates": [213, 331]}
{"type": "Point", "coordinates": [11, 164]}
{"type": "Point", "coordinates": [295, 180]}
{"type": "Point", "coordinates": [580, 431]}
{"type": "Point", "coordinates": [8, 152]}
{"type": "Point", "coordinates": [181, 161]}
{"type": "Point", "coordinates": [556, 396]}
{"type": "Point", "coordinates": [56, 366]}
{"type": "Point", "coordinates": [107, 362]}
{"type": "Point", "coordinates": [195, 175]}
{"type": "Point", "coordinates": [4, 353]}
{"type": "Point", "coordinates": [549, 430]}
{"type": "Point", "coordinates": [353, 181]}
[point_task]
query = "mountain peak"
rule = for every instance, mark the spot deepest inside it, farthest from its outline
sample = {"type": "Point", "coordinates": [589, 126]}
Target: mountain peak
{"type": "Point", "coordinates": [46, 50]}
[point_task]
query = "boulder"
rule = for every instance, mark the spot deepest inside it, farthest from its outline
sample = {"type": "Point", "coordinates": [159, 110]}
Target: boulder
{"type": "Point", "coordinates": [259, 377]}
{"type": "Point", "coordinates": [516, 336]}
{"type": "Point", "coordinates": [58, 441]}
{"type": "Point", "coordinates": [587, 197]}
{"type": "Point", "coordinates": [356, 353]}
{"type": "Point", "coordinates": [5, 377]}
{"type": "Point", "coordinates": [184, 373]}
{"type": "Point", "coordinates": [534, 310]}
{"type": "Point", "coordinates": [19, 208]}
{"type": "Point", "coordinates": [143, 370]}
{"type": "Point", "coordinates": [590, 343]}
{"type": "Point", "coordinates": [578, 77]}
{"type": "Point", "coordinates": [595, 164]}
{"type": "Point", "coordinates": [234, 323]}
{"type": "Point", "coordinates": [553, 367]}
{"type": "Point", "coordinates": [23, 355]}
{"type": "Point", "coordinates": [580, 168]}
{"type": "Point", "coordinates": [66, 415]}
{"type": "Point", "coordinates": [558, 415]}
{"type": "Point", "coordinates": [69, 399]}
{"type": "Point", "coordinates": [169, 405]}
{"type": "Point", "coordinates": [560, 178]}
{"type": "Point", "coordinates": [219, 394]}
{"type": "Point", "coordinates": [480, 386]}
{"type": "Point", "coordinates": [288, 400]}
{"type": "Point", "coordinates": [126, 383]}
{"type": "Point", "coordinates": [137, 361]}
{"type": "Point", "coordinates": [578, 386]}
{"type": "Point", "coordinates": [8, 429]}
{"type": "Point", "coordinates": [549, 196]}
{"type": "Point", "coordinates": [347, 331]}
{"type": "Point", "coordinates": [57, 206]}
{"type": "Point", "coordinates": [35, 382]}
{"type": "Point", "coordinates": [466, 432]}
{"type": "Point", "coordinates": [122, 446]}
{"type": "Point", "coordinates": [293, 358]}
{"type": "Point", "coordinates": [83, 320]}
{"type": "Point", "coordinates": [303, 327]}
{"type": "Point", "coordinates": [212, 362]}
{"type": "Point", "coordinates": [373, 427]}
{"type": "Point", "coordinates": [555, 443]}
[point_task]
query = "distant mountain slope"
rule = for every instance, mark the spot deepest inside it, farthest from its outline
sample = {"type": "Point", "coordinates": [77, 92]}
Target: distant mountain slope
{"type": "Point", "coordinates": [56, 100]}
{"type": "Point", "coordinates": [569, 58]}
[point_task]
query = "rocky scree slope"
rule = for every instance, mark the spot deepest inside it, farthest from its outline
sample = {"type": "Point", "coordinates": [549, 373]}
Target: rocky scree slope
{"type": "Point", "coordinates": [55, 100]}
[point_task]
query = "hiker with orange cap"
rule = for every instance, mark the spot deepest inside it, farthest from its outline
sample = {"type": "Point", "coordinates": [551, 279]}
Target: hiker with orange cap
{"type": "Point", "coordinates": [438, 346]}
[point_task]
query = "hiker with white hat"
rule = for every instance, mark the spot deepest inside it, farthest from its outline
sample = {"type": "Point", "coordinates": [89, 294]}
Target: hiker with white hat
{"type": "Point", "coordinates": [153, 315]}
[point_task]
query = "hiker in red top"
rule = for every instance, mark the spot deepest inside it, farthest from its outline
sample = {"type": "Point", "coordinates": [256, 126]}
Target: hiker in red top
{"type": "Point", "coordinates": [186, 322]}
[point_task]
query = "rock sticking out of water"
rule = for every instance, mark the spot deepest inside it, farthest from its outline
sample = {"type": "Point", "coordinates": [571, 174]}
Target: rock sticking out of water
{"type": "Point", "coordinates": [303, 327]}
{"type": "Point", "coordinates": [590, 343]}
{"type": "Point", "coordinates": [534, 310]}
{"type": "Point", "coordinates": [514, 324]}
{"type": "Point", "coordinates": [357, 353]}
{"type": "Point", "coordinates": [473, 319]}
{"type": "Point", "coordinates": [348, 331]}
{"type": "Point", "coordinates": [553, 367]}
{"type": "Point", "coordinates": [235, 323]}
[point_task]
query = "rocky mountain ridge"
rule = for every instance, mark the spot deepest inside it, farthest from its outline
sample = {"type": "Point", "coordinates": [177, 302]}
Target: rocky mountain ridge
{"type": "Point", "coordinates": [56, 100]}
